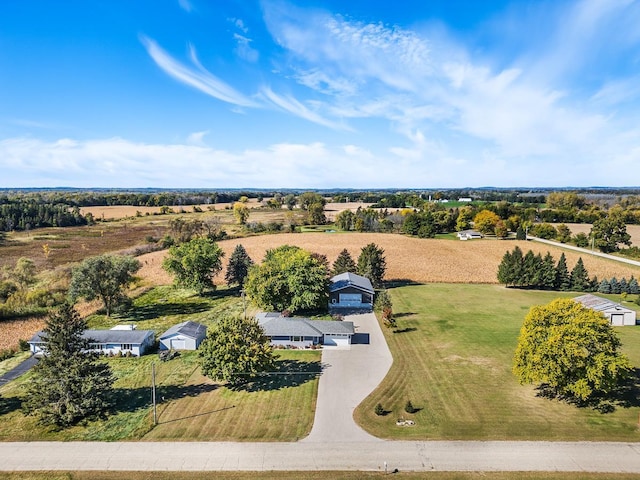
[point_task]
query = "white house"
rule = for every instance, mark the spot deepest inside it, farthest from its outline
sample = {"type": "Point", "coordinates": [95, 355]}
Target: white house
{"type": "Point", "coordinates": [469, 235]}
{"type": "Point", "coordinates": [349, 290]}
{"type": "Point", "coordinates": [614, 312]}
{"type": "Point", "coordinates": [108, 342]}
{"type": "Point", "coordinates": [465, 199]}
{"type": "Point", "coordinates": [303, 333]}
{"type": "Point", "coordinates": [183, 336]}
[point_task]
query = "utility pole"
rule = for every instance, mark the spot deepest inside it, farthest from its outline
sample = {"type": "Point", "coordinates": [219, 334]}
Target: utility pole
{"type": "Point", "coordinates": [153, 393]}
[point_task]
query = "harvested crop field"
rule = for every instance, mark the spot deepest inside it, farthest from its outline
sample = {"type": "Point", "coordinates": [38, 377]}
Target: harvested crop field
{"type": "Point", "coordinates": [113, 212]}
{"type": "Point", "coordinates": [13, 330]}
{"type": "Point", "coordinates": [415, 259]}
{"type": "Point", "coordinates": [633, 230]}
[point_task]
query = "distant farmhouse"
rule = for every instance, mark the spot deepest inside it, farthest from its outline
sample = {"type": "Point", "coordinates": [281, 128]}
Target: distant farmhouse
{"type": "Point", "coordinates": [183, 336]}
{"type": "Point", "coordinates": [304, 333]}
{"type": "Point", "coordinates": [614, 312]}
{"type": "Point", "coordinates": [122, 339]}
{"type": "Point", "coordinates": [349, 290]}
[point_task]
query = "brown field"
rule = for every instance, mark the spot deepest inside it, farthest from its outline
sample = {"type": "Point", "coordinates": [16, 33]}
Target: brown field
{"type": "Point", "coordinates": [332, 209]}
{"type": "Point", "coordinates": [633, 230]}
{"type": "Point", "coordinates": [415, 259]}
{"type": "Point", "coordinates": [115, 212]}
{"type": "Point", "coordinates": [13, 330]}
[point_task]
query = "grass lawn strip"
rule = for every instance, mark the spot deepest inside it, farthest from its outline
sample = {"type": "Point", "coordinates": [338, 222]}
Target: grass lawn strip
{"type": "Point", "coordinates": [452, 358]}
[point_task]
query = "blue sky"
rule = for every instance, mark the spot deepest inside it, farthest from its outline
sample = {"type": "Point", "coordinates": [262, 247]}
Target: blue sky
{"type": "Point", "coordinates": [319, 94]}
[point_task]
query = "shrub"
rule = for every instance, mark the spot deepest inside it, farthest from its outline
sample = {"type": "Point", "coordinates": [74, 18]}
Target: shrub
{"type": "Point", "coordinates": [379, 409]}
{"type": "Point", "coordinates": [23, 345]}
{"type": "Point", "coordinates": [409, 408]}
{"type": "Point", "coordinates": [6, 354]}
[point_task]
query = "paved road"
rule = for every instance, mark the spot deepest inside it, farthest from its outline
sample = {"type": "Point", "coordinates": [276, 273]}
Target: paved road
{"type": "Point", "coordinates": [585, 251]}
{"type": "Point", "coordinates": [348, 376]}
{"type": "Point", "coordinates": [19, 370]}
{"type": "Point", "coordinates": [405, 456]}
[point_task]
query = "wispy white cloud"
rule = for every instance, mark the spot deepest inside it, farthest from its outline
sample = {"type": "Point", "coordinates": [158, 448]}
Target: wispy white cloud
{"type": "Point", "coordinates": [244, 49]}
{"type": "Point", "coordinates": [291, 105]}
{"type": "Point", "coordinates": [197, 138]}
{"type": "Point", "coordinates": [202, 80]}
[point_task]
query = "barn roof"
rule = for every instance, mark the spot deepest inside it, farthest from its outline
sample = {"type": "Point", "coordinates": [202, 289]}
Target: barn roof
{"type": "Point", "coordinates": [599, 304]}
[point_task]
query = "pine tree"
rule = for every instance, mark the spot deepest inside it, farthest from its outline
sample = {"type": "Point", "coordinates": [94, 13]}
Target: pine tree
{"type": "Point", "coordinates": [633, 286]}
{"type": "Point", "coordinates": [344, 263]}
{"type": "Point", "coordinates": [530, 270]}
{"type": "Point", "coordinates": [579, 278]}
{"type": "Point", "coordinates": [562, 282]}
{"type": "Point", "coordinates": [521, 234]}
{"type": "Point", "coordinates": [615, 285]}
{"type": "Point", "coordinates": [593, 284]}
{"type": "Point", "coordinates": [372, 264]}
{"type": "Point", "coordinates": [238, 267]}
{"type": "Point", "coordinates": [505, 270]}
{"type": "Point", "coordinates": [70, 383]}
{"type": "Point", "coordinates": [548, 272]}
{"type": "Point", "coordinates": [624, 286]}
{"type": "Point", "coordinates": [605, 286]}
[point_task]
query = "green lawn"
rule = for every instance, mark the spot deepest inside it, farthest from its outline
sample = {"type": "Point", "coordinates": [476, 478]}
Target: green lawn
{"type": "Point", "coordinates": [452, 359]}
{"type": "Point", "coordinates": [191, 407]}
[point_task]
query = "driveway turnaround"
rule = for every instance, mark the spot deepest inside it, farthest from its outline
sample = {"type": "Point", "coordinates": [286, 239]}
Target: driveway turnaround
{"type": "Point", "coordinates": [404, 456]}
{"type": "Point", "coordinates": [348, 376]}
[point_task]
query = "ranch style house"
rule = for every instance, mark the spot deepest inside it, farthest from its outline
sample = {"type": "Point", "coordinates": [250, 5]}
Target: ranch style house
{"type": "Point", "coordinates": [291, 332]}
{"type": "Point", "coordinates": [115, 341]}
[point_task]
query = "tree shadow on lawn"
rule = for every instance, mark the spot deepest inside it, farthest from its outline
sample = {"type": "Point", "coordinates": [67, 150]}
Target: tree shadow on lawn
{"type": "Point", "coordinates": [289, 373]}
{"type": "Point", "coordinates": [626, 395]}
{"type": "Point", "coordinates": [149, 312]}
{"type": "Point", "coordinates": [132, 399]}
{"type": "Point", "coordinates": [400, 282]}
{"type": "Point", "coordinates": [8, 405]}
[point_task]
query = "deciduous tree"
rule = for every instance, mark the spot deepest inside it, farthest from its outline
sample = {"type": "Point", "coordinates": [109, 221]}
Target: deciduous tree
{"type": "Point", "coordinates": [241, 212]}
{"type": "Point", "coordinates": [289, 278]}
{"type": "Point", "coordinates": [69, 384]}
{"type": "Point", "coordinates": [104, 277]}
{"type": "Point", "coordinates": [235, 351]}
{"type": "Point", "coordinates": [194, 264]}
{"type": "Point", "coordinates": [570, 349]}
{"type": "Point", "coordinates": [485, 221]}
{"type": "Point", "coordinates": [609, 232]}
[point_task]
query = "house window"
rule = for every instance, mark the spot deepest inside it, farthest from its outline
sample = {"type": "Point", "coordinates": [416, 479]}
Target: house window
{"type": "Point", "coordinates": [296, 338]}
{"type": "Point", "coordinates": [126, 346]}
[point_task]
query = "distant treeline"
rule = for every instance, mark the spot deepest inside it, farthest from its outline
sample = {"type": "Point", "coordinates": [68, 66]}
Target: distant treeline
{"type": "Point", "coordinates": [27, 215]}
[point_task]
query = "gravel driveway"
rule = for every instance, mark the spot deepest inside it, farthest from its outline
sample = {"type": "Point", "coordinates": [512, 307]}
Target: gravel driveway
{"type": "Point", "coordinates": [348, 376]}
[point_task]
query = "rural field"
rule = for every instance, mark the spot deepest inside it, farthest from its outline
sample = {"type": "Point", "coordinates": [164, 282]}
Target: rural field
{"type": "Point", "coordinates": [408, 258]}
{"type": "Point", "coordinates": [12, 330]}
{"type": "Point", "coordinates": [632, 230]}
{"type": "Point", "coordinates": [453, 353]}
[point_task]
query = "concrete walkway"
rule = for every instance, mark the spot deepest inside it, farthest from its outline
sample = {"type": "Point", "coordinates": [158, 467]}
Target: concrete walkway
{"type": "Point", "coordinates": [405, 456]}
{"type": "Point", "coordinates": [348, 377]}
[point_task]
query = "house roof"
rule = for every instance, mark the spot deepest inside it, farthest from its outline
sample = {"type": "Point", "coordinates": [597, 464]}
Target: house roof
{"type": "Point", "coordinates": [106, 336]}
{"type": "Point", "coordinates": [349, 279]}
{"type": "Point", "coordinates": [189, 329]}
{"type": "Point", "coordinates": [599, 304]}
{"type": "Point", "coordinates": [291, 326]}
{"type": "Point", "coordinates": [469, 232]}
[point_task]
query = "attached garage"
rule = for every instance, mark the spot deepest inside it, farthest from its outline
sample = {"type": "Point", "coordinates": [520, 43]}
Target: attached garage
{"type": "Point", "coordinates": [337, 340]}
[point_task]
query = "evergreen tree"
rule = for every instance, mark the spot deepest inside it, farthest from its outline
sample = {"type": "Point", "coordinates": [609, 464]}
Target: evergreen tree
{"type": "Point", "coordinates": [69, 384]}
{"type": "Point", "coordinates": [633, 286]}
{"type": "Point", "coordinates": [605, 286]}
{"type": "Point", "coordinates": [372, 264]}
{"type": "Point", "coordinates": [593, 284]}
{"type": "Point", "coordinates": [624, 286]}
{"type": "Point", "coordinates": [506, 270]}
{"type": "Point", "coordinates": [548, 272]}
{"type": "Point", "coordinates": [520, 233]}
{"type": "Point", "coordinates": [615, 286]}
{"type": "Point", "coordinates": [344, 263]}
{"type": "Point", "coordinates": [562, 282]}
{"type": "Point", "coordinates": [579, 278]}
{"type": "Point", "coordinates": [530, 270]}
{"type": "Point", "coordinates": [238, 267]}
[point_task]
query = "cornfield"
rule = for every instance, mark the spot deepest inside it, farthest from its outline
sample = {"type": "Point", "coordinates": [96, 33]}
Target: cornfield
{"type": "Point", "coordinates": [13, 330]}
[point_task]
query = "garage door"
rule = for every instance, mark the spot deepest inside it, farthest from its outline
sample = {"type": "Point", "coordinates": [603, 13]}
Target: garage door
{"type": "Point", "coordinates": [617, 319]}
{"type": "Point", "coordinates": [350, 299]}
{"type": "Point", "coordinates": [336, 340]}
{"type": "Point", "coordinates": [178, 344]}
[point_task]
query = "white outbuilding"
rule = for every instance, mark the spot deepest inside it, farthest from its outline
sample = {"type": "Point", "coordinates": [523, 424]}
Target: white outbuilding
{"type": "Point", "coordinates": [614, 312]}
{"type": "Point", "coordinates": [183, 336]}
